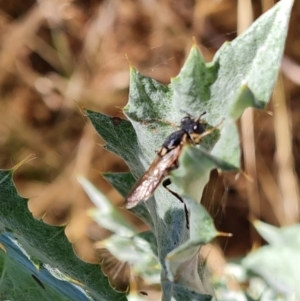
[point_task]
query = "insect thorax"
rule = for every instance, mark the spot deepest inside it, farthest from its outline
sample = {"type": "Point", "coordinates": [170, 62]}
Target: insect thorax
{"type": "Point", "coordinates": [173, 141]}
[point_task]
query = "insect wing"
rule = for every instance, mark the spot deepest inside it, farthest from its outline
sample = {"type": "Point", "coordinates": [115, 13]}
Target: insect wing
{"type": "Point", "coordinates": [147, 184]}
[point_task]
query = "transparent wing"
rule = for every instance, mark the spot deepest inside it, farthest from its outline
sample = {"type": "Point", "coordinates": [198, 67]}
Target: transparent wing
{"type": "Point", "coordinates": [147, 184]}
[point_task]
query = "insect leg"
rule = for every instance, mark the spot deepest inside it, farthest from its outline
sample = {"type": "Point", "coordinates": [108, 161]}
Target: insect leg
{"type": "Point", "coordinates": [165, 184]}
{"type": "Point", "coordinates": [211, 130]}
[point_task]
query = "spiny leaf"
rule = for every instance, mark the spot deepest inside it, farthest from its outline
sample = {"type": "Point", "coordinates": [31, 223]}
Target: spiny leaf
{"type": "Point", "coordinates": [120, 137]}
{"type": "Point", "coordinates": [278, 263]}
{"type": "Point", "coordinates": [242, 74]}
{"type": "Point", "coordinates": [138, 252]}
{"type": "Point", "coordinates": [288, 235]}
{"type": "Point", "coordinates": [21, 280]}
{"type": "Point", "coordinates": [106, 214]}
{"type": "Point", "coordinates": [202, 231]}
{"type": "Point", "coordinates": [48, 243]}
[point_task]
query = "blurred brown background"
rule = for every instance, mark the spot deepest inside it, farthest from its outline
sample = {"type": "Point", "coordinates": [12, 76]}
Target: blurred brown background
{"type": "Point", "coordinates": [57, 57]}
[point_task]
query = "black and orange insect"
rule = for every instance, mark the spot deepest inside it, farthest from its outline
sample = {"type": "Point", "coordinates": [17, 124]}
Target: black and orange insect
{"type": "Point", "coordinates": [191, 132]}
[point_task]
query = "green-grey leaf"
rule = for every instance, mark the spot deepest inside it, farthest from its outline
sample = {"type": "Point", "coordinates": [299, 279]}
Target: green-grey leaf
{"type": "Point", "coordinates": [288, 235]}
{"type": "Point", "coordinates": [278, 266]}
{"type": "Point", "coordinates": [278, 263]}
{"type": "Point", "coordinates": [138, 252]}
{"type": "Point", "coordinates": [106, 215]}
{"type": "Point", "coordinates": [194, 169]}
{"type": "Point", "coordinates": [260, 50]}
{"type": "Point", "coordinates": [202, 231]}
{"type": "Point", "coordinates": [193, 84]}
{"type": "Point", "coordinates": [151, 239]}
{"type": "Point", "coordinates": [120, 137]}
{"type": "Point", "coordinates": [146, 94]}
{"type": "Point", "coordinates": [253, 59]}
{"type": "Point", "coordinates": [48, 243]}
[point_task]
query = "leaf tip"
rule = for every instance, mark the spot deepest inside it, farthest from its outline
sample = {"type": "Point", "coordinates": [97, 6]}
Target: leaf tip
{"type": "Point", "coordinates": [26, 160]}
{"type": "Point", "coordinates": [194, 43]}
{"type": "Point", "coordinates": [126, 108]}
{"type": "Point", "coordinates": [2, 248]}
{"type": "Point", "coordinates": [128, 61]}
{"type": "Point", "coordinates": [132, 71]}
{"type": "Point", "coordinates": [224, 234]}
{"type": "Point", "coordinates": [81, 179]}
{"type": "Point", "coordinates": [254, 221]}
{"type": "Point", "coordinates": [92, 213]}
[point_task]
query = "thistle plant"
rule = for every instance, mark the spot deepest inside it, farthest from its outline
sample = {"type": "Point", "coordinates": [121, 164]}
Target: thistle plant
{"type": "Point", "coordinates": [242, 74]}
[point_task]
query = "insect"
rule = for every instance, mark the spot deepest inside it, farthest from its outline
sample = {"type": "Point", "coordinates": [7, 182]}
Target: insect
{"type": "Point", "coordinates": [191, 132]}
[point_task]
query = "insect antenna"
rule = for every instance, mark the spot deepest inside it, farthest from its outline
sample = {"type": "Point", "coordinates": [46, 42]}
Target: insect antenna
{"type": "Point", "coordinates": [203, 113]}
{"type": "Point", "coordinates": [190, 115]}
{"type": "Point", "coordinates": [185, 112]}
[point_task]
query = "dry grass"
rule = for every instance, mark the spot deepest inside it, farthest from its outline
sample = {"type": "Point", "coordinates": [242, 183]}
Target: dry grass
{"type": "Point", "coordinates": [57, 57]}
